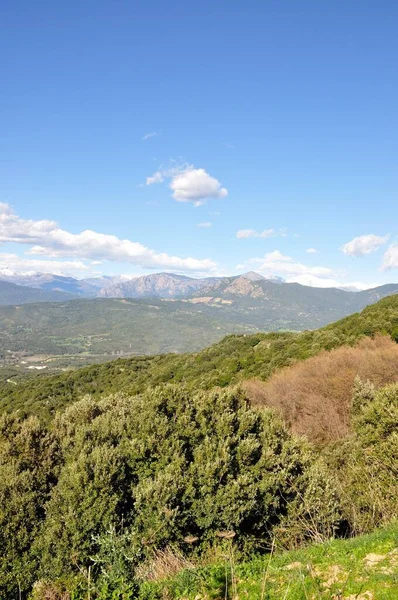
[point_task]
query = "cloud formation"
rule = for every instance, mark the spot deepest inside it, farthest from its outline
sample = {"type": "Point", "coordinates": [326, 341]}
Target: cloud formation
{"type": "Point", "coordinates": [364, 244]}
{"type": "Point", "coordinates": [390, 258]}
{"type": "Point", "coordinates": [189, 184]}
{"type": "Point", "coordinates": [276, 263]}
{"type": "Point", "coordinates": [312, 251]}
{"type": "Point", "coordinates": [205, 224]}
{"type": "Point", "coordinates": [252, 233]}
{"type": "Point", "coordinates": [149, 135]}
{"type": "Point", "coordinates": [46, 238]}
{"type": "Point", "coordinates": [13, 262]}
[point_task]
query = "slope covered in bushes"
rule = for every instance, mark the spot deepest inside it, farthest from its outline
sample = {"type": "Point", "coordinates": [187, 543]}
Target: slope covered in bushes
{"type": "Point", "coordinates": [92, 503]}
{"type": "Point", "coordinates": [232, 360]}
{"type": "Point", "coordinates": [314, 395]}
{"type": "Point", "coordinates": [94, 498]}
{"type": "Point", "coordinates": [114, 479]}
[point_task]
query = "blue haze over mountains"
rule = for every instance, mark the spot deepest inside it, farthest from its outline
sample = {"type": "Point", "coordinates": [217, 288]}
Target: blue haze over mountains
{"type": "Point", "coordinates": [249, 288]}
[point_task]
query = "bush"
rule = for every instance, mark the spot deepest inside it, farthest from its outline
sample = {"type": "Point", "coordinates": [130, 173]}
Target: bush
{"type": "Point", "coordinates": [367, 462]}
{"type": "Point", "coordinates": [28, 465]}
{"type": "Point", "coordinates": [133, 477]}
{"type": "Point", "coordinates": [314, 396]}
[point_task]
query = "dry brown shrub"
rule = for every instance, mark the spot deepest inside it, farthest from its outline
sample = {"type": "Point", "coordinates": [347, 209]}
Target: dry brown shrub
{"type": "Point", "coordinates": [314, 396]}
{"type": "Point", "coordinates": [164, 564]}
{"type": "Point", "coordinates": [45, 590]}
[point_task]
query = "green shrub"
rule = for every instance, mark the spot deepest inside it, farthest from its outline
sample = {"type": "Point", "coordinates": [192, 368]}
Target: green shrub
{"type": "Point", "coordinates": [132, 476]}
{"type": "Point", "coordinates": [28, 464]}
{"type": "Point", "coordinates": [367, 462]}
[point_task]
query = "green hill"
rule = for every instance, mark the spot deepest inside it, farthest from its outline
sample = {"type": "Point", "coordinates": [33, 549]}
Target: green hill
{"type": "Point", "coordinates": [93, 330]}
{"type": "Point", "coordinates": [235, 358]}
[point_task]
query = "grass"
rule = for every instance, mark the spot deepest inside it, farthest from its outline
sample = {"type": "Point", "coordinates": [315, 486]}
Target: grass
{"type": "Point", "coordinates": [363, 568]}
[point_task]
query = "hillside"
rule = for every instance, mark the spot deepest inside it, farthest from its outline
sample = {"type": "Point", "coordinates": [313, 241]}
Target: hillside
{"type": "Point", "coordinates": [113, 326]}
{"type": "Point", "coordinates": [11, 293]}
{"type": "Point", "coordinates": [159, 285]}
{"type": "Point", "coordinates": [314, 396]}
{"type": "Point", "coordinates": [295, 297]}
{"type": "Point", "coordinates": [96, 329]}
{"type": "Point", "coordinates": [188, 494]}
{"type": "Point", "coordinates": [232, 360]}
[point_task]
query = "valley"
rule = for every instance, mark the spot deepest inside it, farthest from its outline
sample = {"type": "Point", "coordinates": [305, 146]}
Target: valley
{"type": "Point", "coordinates": [84, 330]}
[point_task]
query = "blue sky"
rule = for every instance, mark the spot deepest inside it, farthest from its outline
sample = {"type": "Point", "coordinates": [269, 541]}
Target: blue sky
{"type": "Point", "coordinates": [125, 125]}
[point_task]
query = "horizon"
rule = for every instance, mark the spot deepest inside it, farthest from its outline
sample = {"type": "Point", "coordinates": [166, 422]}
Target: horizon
{"type": "Point", "coordinates": [126, 278]}
{"type": "Point", "coordinates": [134, 147]}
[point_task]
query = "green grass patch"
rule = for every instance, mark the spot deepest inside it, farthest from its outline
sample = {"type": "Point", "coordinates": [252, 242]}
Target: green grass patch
{"type": "Point", "coordinates": [364, 568]}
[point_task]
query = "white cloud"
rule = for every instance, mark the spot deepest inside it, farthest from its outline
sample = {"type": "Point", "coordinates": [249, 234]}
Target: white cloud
{"type": "Point", "coordinates": [205, 224]}
{"type": "Point", "coordinates": [276, 263]}
{"type": "Point", "coordinates": [157, 177]}
{"type": "Point", "coordinates": [252, 233]}
{"type": "Point", "coordinates": [312, 251]}
{"type": "Point", "coordinates": [149, 135]}
{"type": "Point", "coordinates": [390, 258]}
{"type": "Point", "coordinates": [364, 244]}
{"type": "Point", "coordinates": [48, 239]}
{"type": "Point", "coordinates": [13, 262]}
{"type": "Point", "coordinates": [358, 286]}
{"type": "Point", "coordinates": [195, 185]}
{"type": "Point", "coordinates": [189, 184]}
{"type": "Point", "coordinates": [322, 282]}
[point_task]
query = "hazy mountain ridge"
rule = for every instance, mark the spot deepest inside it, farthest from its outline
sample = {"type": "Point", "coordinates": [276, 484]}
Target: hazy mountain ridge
{"type": "Point", "coordinates": [85, 288]}
{"type": "Point", "coordinates": [107, 326]}
{"type": "Point", "coordinates": [158, 285]}
{"type": "Point", "coordinates": [248, 290]}
{"type": "Point", "coordinates": [13, 294]}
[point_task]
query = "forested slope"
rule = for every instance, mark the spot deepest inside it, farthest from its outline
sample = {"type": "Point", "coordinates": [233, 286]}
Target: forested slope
{"type": "Point", "coordinates": [235, 358]}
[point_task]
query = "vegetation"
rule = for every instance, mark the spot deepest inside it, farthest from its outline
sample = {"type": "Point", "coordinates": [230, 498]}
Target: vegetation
{"type": "Point", "coordinates": [152, 490]}
{"type": "Point", "coordinates": [168, 467]}
{"type": "Point", "coordinates": [123, 327]}
{"type": "Point", "coordinates": [113, 326]}
{"type": "Point", "coordinates": [362, 568]}
{"type": "Point", "coordinates": [314, 395]}
{"type": "Point", "coordinates": [231, 361]}
{"type": "Point", "coordinates": [91, 503]}
{"type": "Point", "coordinates": [366, 463]}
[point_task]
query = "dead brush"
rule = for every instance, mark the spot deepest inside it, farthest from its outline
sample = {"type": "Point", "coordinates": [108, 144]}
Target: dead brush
{"type": "Point", "coordinates": [164, 564]}
{"type": "Point", "coordinates": [314, 396]}
{"type": "Point", "coordinates": [45, 590]}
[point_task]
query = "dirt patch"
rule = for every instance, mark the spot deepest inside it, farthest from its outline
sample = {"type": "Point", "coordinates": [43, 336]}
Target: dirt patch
{"type": "Point", "coordinates": [371, 560]}
{"type": "Point", "coordinates": [292, 566]}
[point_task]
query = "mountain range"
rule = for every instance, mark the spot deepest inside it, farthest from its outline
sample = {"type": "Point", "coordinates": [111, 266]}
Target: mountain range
{"type": "Point", "coordinates": [85, 329]}
{"type": "Point", "coordinates": [171, 285]}
{"type": "Point", "coordinates": [84, 288]}
{"type": "Point", "coordinates": [11, 293]}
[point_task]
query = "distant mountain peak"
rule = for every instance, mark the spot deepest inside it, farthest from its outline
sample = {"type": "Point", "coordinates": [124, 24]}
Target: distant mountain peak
{"type": "Point", "coordinates": [253, 276]}
{"type": "Point", "coordinates": [275, 279]}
